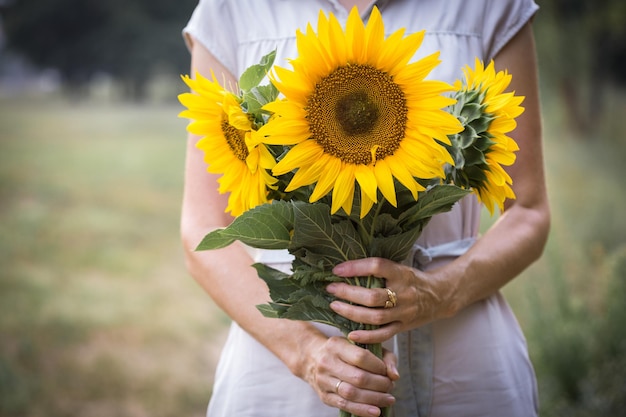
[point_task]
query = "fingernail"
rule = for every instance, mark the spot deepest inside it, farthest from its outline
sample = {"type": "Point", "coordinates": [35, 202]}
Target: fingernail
{"type": "Point", "coordinates": [394, 371]}
{"type": "Point", "coordinates": [354, 337]}
{"type": "Point", "coordinates": [373, 411]}
{"type": "Point", "coordinates": [331, 288]}
{"type": "Point", "coordinates": [338, 269]}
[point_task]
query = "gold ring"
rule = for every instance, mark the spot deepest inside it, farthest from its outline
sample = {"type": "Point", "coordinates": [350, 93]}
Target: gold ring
{"type": "Point", "coordinates": [392, 298]}
{"type": "Point", "coordinates": [337, 386]}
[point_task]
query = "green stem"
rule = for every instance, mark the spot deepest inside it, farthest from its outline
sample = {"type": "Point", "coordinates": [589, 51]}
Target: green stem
{"type": "Point", "coordinates": [368, 235]}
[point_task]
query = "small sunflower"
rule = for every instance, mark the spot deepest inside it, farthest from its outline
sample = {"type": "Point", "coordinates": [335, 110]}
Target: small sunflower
{"type": "Point", "coordinates": [227, 141]}
{"type": "Point", "coordinates": [488, 114]}
{"type": "Point", "coordinates": [357, 112]}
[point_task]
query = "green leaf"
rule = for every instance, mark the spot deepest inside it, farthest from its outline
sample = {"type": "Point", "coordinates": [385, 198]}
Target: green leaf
{"type": "Point", "coordinates": [397, 247]}
{"type": "Point", "coordinates": [280, 285]}
{"type": "Point", "coordinates": [268, 311]}
{"type": "Point", "coordinates": [254, 74]}
{"type": "Point", "coordinates": [318, 239]}
{"type": "Point", "coordinates": [267, 226]}
{"type": "Point", "coordinates": [295, 300]}
{"type": "Point", "coordinates": [306, 274]}
{"type": "Point", "coordinates": [435, 200]}
{"type": "Point", "coordinates": [311, 308]}
{"type": "Point", "coordinates": [258, 97]}
{"type": "Point", "coordinates": [386, 225]}
{"type": "Point", "coordinates": [265, 93]}
{"type": "Point", "coordinates": [215, 240]}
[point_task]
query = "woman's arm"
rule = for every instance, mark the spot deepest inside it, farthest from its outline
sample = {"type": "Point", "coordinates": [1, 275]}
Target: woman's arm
{"type": "Point", "coordinates": [515, 241]}
{"type": "Point", "coordinates": [233, 284]}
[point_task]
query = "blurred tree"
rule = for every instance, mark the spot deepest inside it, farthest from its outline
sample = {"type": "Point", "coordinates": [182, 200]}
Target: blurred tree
{"type": "Point", "coordinates": [128, 39]}
{"type": "Point", "coordinates": [583, 50]}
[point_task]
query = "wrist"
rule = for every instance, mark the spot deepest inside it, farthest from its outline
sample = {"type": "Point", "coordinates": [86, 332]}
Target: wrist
{"type": "Point", "coordinates": [448, 282]}
{"type": "Point", "coordinates": [298, 358]}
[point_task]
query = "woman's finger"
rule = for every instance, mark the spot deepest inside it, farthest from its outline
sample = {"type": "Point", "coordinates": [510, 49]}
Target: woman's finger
{"type": "Point", "coordinates": [391, 361]}
{"type": "Point", "coordinates": [359, 295]}
{"type": "Point", "coordinates": [360, 314]}
{"type": "Point", "coordinates": [357, 401]}
{"type": "Point", "coordinates": [379, 335]}
{"type": "Point", "coordinates": [379, 267]}
{"type": "Point", "coordinates": [353, 379]}
{"type": "Point", "coordinates": [364, 362]}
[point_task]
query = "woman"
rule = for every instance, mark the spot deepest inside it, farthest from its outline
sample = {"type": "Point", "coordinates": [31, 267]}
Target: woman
{"type": "Point", "coordinates": [458, 348]}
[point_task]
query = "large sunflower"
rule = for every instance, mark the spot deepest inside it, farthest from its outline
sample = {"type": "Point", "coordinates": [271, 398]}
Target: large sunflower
{"type": "Point", "coordinates": [357, 111]}
{"type": "Point", "coordinates": [227, 142]}
{"type": "Point", "coordinates": [488, 87]}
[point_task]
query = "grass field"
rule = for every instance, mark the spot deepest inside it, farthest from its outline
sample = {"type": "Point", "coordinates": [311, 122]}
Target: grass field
{"type": "Point", "coordinates": [98, 316]}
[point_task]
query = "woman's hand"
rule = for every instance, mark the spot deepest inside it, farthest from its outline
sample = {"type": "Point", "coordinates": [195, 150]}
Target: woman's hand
{"type": "Point", "coordinates": [421, 297]}
{"type": "Point", "coordinates": [351, 378]}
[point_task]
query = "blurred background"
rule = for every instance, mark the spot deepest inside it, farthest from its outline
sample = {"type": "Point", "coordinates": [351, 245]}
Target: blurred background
{"type": "Point", "coordinates": [98, 316]}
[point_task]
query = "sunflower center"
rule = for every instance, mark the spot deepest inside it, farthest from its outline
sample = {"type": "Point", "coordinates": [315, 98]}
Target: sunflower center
{"type": "Point", "coordinates": [236, 140]}
{"type": "Point", "coordinates": [358, 114]}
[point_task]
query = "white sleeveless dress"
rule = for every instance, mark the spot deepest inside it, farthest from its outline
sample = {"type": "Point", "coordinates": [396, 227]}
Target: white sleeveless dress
{"type": "Point", "coordinates": [474, 364]}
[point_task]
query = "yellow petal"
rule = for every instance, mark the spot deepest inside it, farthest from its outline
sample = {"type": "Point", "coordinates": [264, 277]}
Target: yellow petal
{"type": "Point", "coordinates": [385, 181]}
{"type": "Point", "coordinates": [303, 154]}
{"type": "Point", "coordinates": [367, 181]}
{"type": "Point", "coordinates": [329, 170]}
{"type": "Point", "coordinates": [343, 192]}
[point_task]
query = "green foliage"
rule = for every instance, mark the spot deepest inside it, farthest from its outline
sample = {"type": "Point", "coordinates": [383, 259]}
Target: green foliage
{"type": "Point", "coordinates": [319, 241]}
{"type": "Point", "coordinates": [571, 302]}
{"type": "Point", "coordinates": [582, 54]}
{"type": "Point", "coordinates": [581, 352]}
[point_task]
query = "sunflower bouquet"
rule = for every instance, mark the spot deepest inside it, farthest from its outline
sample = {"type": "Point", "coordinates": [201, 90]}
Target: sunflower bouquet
{"type": "Point", "coordinates": [348, 154]}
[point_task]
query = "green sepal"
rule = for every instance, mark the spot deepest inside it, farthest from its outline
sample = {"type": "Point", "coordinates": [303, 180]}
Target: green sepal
{"type": "Point", "coordinates": [466, 138]}
{"type": "Point", "coordinates": [471, 112]}
{"type": "Point", "coordinates": [481, 124]}
{"type": "Point", "coordinates": [474, 157]}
